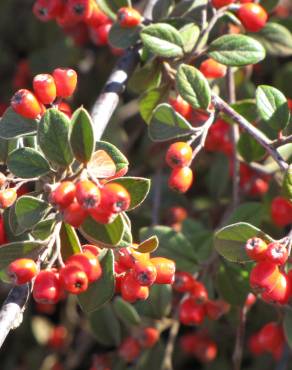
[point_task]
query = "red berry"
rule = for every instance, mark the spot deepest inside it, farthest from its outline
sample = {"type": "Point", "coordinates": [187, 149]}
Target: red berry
{"type": "Point", "coordinates": [44, 88]}
{"type": "Point", "coordinates": [97, 17]}
{"type": "Point", "coordinates": [264, 276]}
{"type": "Point", "coordinates": [183, 282]}
{"type": "Point", "coordinates": [87, 194]}
{"type": "Point", "coordinates": [252, 16]}
{"type": "Point", "coordinates": [176, 214]}
{"type": "Point", "coordinates": [131, 290]}
{"type": "Point", "coordinates": [256, 249]}
{"type": "Point", "coordinates": [46, 10]}
{"type": "Point", "coordinates": [58, 337]}
{"type": "Point", "coordinates": [191, 313]}
{"type": "Point", "coordinates": [3, 237]}
{"type": "Point", "coordinates": [212, 69]}
{"type": "Point", "coordinates": [26, 104]}
{"type": "Point", "coordinates": [91, 248]}
{"type": "Point", "coordinates": [148, 337]}
{"type": "Point", "coordinates": [22, 271]}
{"type": "Point", "coordinates": [128, 17]}
{"type": "Point", "coordinates": [181, 106]}
{"type": "Point", "coordinates": [281, 292]}
{"type": "Point", "coordinates": [181, 179]}
{"type": "Point", "coordinates": [188, 343]}
{"type": "Point", "coordinates": [79, 10]}
{"type": "Point", "coordinates": [277, 253]}
{"type": "Point", "coordinates": [114, 198]}
{"type": "Point", "coordinates": [220, 3]}
{"type": "Point", "coordinates": [73, 279]}
{"type": "Point", "coordinates": [165, 270]}
{"type": "Point", "coordinates": [99, 34]}
{"type": "Point", "coordinates": [88, 263]}
{"type": "Point", "coordinates": [74, 214]}
{"type": "Point", "coordinates": [64, 194]}
{"type": "Point", "coordinates": [144, 272]}
{"type": "Point", "coordinates": [179, 155]}
{"type": "Point", "coordinates": [65, 108]}
{"type": "Point", "coordinates": [254, 345]}
{"type": "Point", "coordinates": [206, 350]}
{"type": "Point", "coordinates": [199, 292]}
{"type": "Point", "coordinates": [125, 258]}
{"type": "Point", "coordinates": [281, 211]}
{"type": "Point", "coordinates": [101, 216]}
{"type": "Point", "coordinates": [47, 287]}
{"type": "Point", "coordinates": [129, 349]}
{"type": "Point", "coordinates": [218, 139]}
{"type": "Point", "coordinates": [7, 197]}
{"type": "Point", "coordinates": [270, 336]}
{"type": "Point", "coordinates": [66, 81]}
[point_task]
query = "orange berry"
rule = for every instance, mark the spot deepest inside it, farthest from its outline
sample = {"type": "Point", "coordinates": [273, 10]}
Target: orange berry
{"type": "Point", "coordinates": [181, 179]}
{"type": "Point", "coordinates": [88, 263]}
{"type": "Point", "coordinates": [165, 270]}
{"type": "Point", "coordinates": [212, 69]}
{"type": "Point", "coordinates": [47, 287]}
{"type": "Point", "coordinates": [66, 81]}
{"type": "Point", "coordinates": [179, 154]}
{"type": "Point", "coordinates": [26, 104]}
{"type": "Point", "coordinates": [74, 214]}
{"type": "Point", "coordinates": [64, 194]}
{"type": "Point", "coordinates": [114, 198]}
{"type": "Point", "coordinates": [22, 271]}
{"type": "Point", "coordinates": [87, 194]}
{"type": "Point", "coordinates": [44, 88]}
{"type": "Point", "coordinates": [7, 197]}
{"type": "Point", "coordinates": [128, 17]}
{"type": "Point", "coordinates": [252, 16]}
{"type": "Point", "coordinates": [73, 279]}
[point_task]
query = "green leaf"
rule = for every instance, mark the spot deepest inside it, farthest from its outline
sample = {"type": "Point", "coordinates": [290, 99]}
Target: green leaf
{"type": "Point", "coordinates": [105, 326]}
{"type": "Point", "coordinates": [11, 251]}
{"type": "Point", "coordinates": [163, 40]}
{"type": "Point", "coordinates": [251, 212]}
{"type": "Point", "coordinates": [173, 245]}
{"type": "Point", "coordinates": [13, 126]}
{"type": "Point", "coordinates": [272, 107]}
{"type": "Point", "coordinates": [126, 312]}
{"type": "Point", "coordinates": [167, 124]}
{"type": "Point", "coordinates": [151, 358]}
{"type": "Point", "coordinates": [158, 305]}
{"type": "Point", "coordinates": [127, 239]}
{"type": "Point", "coordinates": [82, 136]}
{"type": "Point", "coordinates": [161, 9]}
{"type": "Point", "coordinates": [150, 100]}
{"type": "Point", "coordinates": [116, 155]}
{"type": "Point", "coordinates": [236, 50]}
{"type": "Point", "coordinates": [190, 34]}
{"type": "Point", "coordinates": [29, 211]}
{"type": "Point", "coordinates": [53, 137]}
{"type": "Point", "coordinates": [233, 283]}
{"type": "Point", "coordinates": [246, 108]}
{"type": "Point", "coordinates": [230, 240]}
{"type": "Point", "coordinates": [110, 234]}
{"type": "Point", "coordinates": [121, 37]}
{"type": "Point", "coordinates": [287, 325]}
{"type": "Point", "coordinates": [287, 183]}
{"type": "Point", "coordinates": [110, 7]}
{"type": "Point", "coordinates": [145, 77]}
{"type": "Point", "coordinates": [193, 86]}
{"type": "Point", "coordinates": [249, 148]}
{"type": "Point", "coordinates": [27, 163]}
{"type": "Point", "coordinates": [102, 290]}
{"type": "Point", "coordinates": [138, 188]}
{"type": "Point", "coordinates": [149, 245]}
{"type": "Point", "coordinates": [13, 231]}
{"type": "Point", "coordinates": [70, 243]}
{"type": "Point", "coordinates": [4, 150]}
{"type": "Point", "coordinates": [276, 39]}
{"type": "Point", "coordinates": [44, 229]}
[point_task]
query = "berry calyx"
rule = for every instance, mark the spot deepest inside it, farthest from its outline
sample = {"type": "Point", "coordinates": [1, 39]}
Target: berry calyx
{"type": "Point", "coordinates": [79, 10]}
{"type": "Point", "coordinates": [66, 81]}
{"type": "Point", "coordinates": [114, 198]}
{"type": "Point", "coordinates": [144, 272]}
{"type": "Point", "coordinates": [179, 154]}
{"type": "Point", "coordinates": [128, 17]}
{"type": "Point", "coordinates": [44, 88]}
{"type": "Point", "coordinates": [64, 194]}
{"type": "Point", "coordinates": [181, 179]}
{"type": "Point", "coordinates": [73, 279]}
{"type": "Point", "coordinates": [26, 104]}
{"type": "Point", "coordinates": [87, 194]}
{"type": "Point", "coordinates": [277, 253]}
{"type": "Point", "coordinates": [252, 16]}
{"type": "Point", "coordinates": [45, 10]}
{"type": "Point", "coordinates": [213, 69]}
{"type": "Point", "coordinates": [22, 271]}
{"type": "Point", "coordinates": [256, 248]}
{"type": "Point", "coordinates": [47, 287]}
{"type": "Point", "coordinates": [165, 270]}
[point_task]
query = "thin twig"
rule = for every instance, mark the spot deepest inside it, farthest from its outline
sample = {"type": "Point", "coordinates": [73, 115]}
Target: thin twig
{"type": "Point", "coordinates": [282, 141]}
{"type": "Point", "coordinates": [239, 343]}
{"type": "Point", "coordinates": [167, 359]}
{"type": "Point", "coordinates": [259, 136]}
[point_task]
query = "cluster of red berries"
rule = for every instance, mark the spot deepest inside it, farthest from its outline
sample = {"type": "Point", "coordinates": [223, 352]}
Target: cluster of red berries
{"type": "Point", "coordinates": [200, 346]}
{"type": "Point", "coordinates": [83, 20]}
{"type": "Point", "coordinates": [77, 201]}
{"type": "Point", "coordinates": [196, 305]}
{"type": "Point", "coordinates": [179, 157]}
{"type": "Point", "coordinates": [47, 88]}
{"type": "Point", "coordinates": [270, 338]}
{"type": "Point", "coordinates": [252, 16]}
{"type": "Point", "coordinates": [132, 346]}
{"type": "Point", "coordinates": [79, 271]}
{"type": "Point", "coordinates": [136, 272]}
{"type": "Point", "coordinates": [281, 211]}
{"type": "Point", "coordinates": [266, 277]}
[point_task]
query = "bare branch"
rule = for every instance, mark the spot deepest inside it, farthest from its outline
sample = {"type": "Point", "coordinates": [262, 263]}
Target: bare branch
{"type": "Point", "coordinates": [167, 359]}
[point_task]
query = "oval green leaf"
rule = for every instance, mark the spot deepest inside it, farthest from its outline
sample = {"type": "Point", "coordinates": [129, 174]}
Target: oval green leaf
{"type": "Point", "coordinates": [126, 312]}
{"type": "Point", "coordinates": [29, 211]}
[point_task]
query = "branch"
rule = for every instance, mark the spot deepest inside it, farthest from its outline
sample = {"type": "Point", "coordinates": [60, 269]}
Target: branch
{"type": "Point", "coordinates": [237, 354]}
{"type": "Point", "coordinates": [167, 359]}
{"type": "Point", "coordinates": [282, 141]}
{"type": "Point", "coordinates": [261, 138]}
{"type": "Point", "coordinates": [11, 311]}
